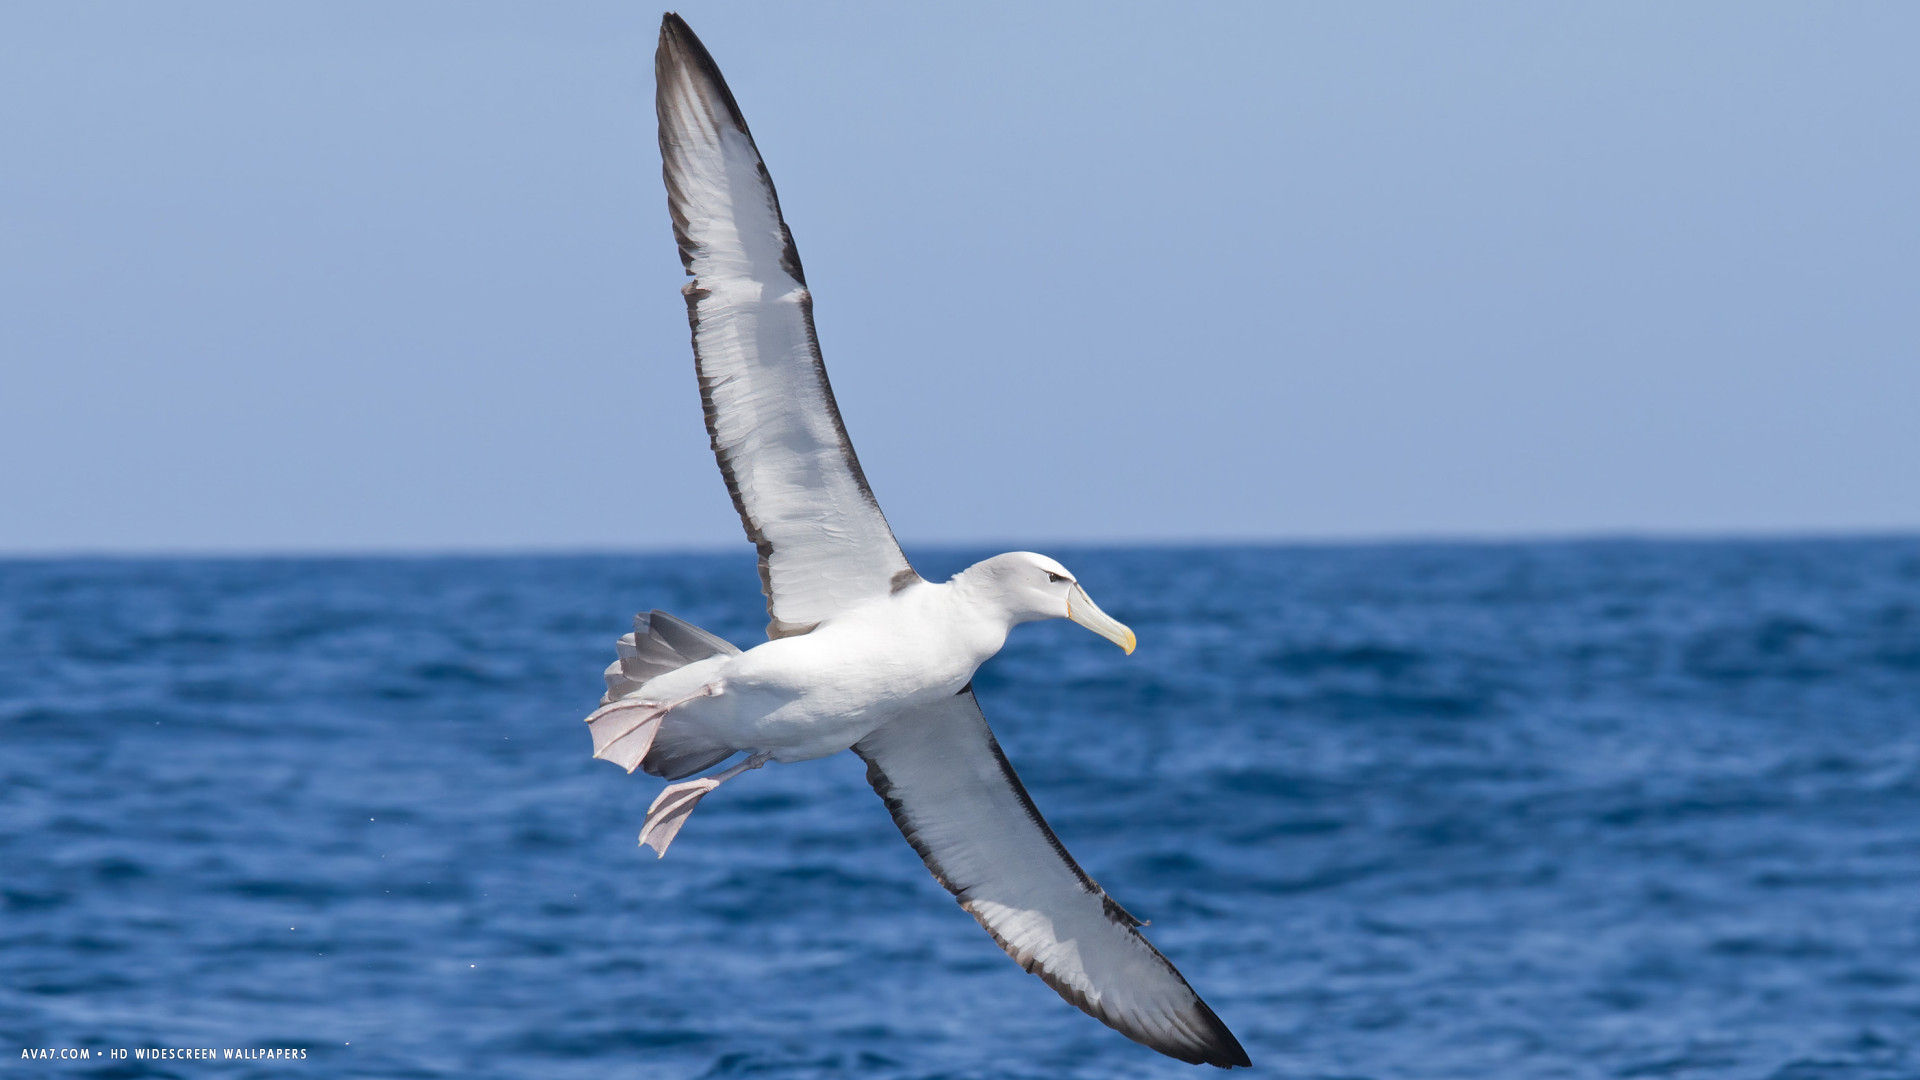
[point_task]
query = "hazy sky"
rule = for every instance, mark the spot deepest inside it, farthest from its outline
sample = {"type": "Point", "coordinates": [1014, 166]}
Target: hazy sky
{"type": "Point", "coordinates": [400, 276]}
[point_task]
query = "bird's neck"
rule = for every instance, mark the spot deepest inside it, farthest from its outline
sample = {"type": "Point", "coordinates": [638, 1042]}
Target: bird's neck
{"type": "Point", "coordinates": [979, 614]}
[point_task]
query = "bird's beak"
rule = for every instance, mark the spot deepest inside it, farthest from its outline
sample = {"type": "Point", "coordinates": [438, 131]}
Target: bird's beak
{"type": "Point", "coordinates": [1082, 609]}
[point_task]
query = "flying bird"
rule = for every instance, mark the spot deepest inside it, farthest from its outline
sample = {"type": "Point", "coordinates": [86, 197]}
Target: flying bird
{"type": "Point", "coordinates": [862, 653]}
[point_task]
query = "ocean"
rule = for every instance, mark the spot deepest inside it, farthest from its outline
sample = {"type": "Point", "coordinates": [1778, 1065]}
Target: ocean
{"type": "Point", "coordinates": [1574, 809]}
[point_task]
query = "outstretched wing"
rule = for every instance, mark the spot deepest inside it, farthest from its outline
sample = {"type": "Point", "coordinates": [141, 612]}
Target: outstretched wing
{"type": "Point", "coordinates": [956, 798]}
{"type": "Point", "coordinates": [824, 545]}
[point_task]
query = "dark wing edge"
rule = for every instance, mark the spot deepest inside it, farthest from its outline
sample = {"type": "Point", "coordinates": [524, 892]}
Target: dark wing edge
{"type": "Point", "coordinates": [959, 803]}
{"type": "Point", "coordinates": [681, 49]}
{"type": "Point", "coordinates": [680, 52]}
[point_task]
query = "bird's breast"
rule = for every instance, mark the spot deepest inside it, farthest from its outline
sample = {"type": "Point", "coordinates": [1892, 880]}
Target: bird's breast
{"type": "Point", "coordinates": [825, 690]}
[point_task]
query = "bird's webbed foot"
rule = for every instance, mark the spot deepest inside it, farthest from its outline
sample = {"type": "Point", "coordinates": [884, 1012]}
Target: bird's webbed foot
{"type": "Point", "coordinates": [676, 803]}
{"type": "Point", "coordinates": [623, 730]}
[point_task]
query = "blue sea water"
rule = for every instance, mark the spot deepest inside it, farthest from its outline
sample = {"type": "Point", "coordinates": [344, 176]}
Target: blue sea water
{"type": "Point", "coordinates": [1607, 809]}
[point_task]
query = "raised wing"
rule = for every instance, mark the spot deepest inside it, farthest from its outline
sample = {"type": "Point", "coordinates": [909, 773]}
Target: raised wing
{"type": "Point", "coordinates": [956, 798]}
{"type": "Point", "coordinates": [824, 545]}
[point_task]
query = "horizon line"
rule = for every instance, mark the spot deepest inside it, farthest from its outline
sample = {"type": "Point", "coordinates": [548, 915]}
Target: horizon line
{"type": "Point", "coordinates": [589, 550]}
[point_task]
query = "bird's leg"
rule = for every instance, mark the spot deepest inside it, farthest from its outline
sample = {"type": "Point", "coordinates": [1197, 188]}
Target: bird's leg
{"type": "Point", "coordinates": [670, 810]}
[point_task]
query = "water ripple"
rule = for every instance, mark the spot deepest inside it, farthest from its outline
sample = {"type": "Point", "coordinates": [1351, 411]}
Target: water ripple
{"type": "Point", "coordinates": [1623, 809]}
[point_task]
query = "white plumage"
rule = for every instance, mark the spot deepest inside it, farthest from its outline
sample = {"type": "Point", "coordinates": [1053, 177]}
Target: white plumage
{"type": "Point", "coordinates": [864, 654]}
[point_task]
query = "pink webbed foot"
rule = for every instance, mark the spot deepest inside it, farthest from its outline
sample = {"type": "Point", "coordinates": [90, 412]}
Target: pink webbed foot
{"type": "Point", "coordinates": [623, 730]}
{"type": "Point", "coordinates": [671, 810]}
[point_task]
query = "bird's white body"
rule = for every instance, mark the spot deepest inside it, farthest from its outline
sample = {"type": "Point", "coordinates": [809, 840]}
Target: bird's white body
{"type": "Point", "coordinates": [804, 697]}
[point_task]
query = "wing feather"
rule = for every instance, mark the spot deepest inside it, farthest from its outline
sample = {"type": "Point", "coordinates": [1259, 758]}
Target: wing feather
{"type": "Point", "coordinates": [960, 804]}
{"type": "Point", "coordinates": [775, 427]}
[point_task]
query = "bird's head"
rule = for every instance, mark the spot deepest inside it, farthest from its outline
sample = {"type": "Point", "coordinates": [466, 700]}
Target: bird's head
{"type": "Point", "coordinates": [1030, 586]}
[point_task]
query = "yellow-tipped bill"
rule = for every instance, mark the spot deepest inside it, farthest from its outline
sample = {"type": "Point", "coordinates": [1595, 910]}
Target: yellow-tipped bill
{"type": "Point", "coordinates": [1082, 609]}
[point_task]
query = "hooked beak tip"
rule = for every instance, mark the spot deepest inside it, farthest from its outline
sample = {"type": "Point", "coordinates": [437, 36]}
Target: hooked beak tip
{"type": "Point", "coordinates": [1082, 609]}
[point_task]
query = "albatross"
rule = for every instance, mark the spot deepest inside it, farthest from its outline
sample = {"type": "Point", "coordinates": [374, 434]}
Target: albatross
{"type": "Point", "coordinates": [862, 653]}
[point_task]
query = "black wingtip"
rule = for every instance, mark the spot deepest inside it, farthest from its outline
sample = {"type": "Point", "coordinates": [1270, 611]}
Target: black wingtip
{"type": "Point", "coordinates": [674, 31]}
{"type": "Point", "coordinates": [1222, 1049]}
{"type": "Point", "coordinates": [681, 50]}
{"type": "Point", "coordinates": [675, 34]}
{"type": "Point", "coordinates": [681, 47]}
{"type": "Point", "coordinates": [672, 23]}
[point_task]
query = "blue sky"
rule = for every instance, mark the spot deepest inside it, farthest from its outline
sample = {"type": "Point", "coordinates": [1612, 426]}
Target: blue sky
{"type": "Point", "coordinates": [399, 276]}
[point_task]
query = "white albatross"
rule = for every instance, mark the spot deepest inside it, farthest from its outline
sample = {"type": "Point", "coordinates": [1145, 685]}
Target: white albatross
{"type": "Point", "coordinates": [863, 653]}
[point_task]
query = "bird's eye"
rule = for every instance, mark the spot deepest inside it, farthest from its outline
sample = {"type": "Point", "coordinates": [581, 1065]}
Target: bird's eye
{"type": "Point", "coordinates": [1053, 577]}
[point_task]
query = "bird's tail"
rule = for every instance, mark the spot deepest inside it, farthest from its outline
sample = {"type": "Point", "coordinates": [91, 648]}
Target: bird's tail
{"type": "Point", "coordinates": [661, 643]}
